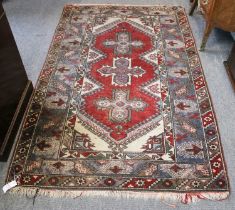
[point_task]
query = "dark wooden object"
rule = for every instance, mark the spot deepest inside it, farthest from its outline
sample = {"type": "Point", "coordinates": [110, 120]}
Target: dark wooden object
{"type": "Point", "coordinates": [15, 88]}
{"type": "Point", "coordinates": [193, 7]}
{"type": "Point", "coordinates": [217, 14]}
{"type": "Point", "coordinates": [230, 66]}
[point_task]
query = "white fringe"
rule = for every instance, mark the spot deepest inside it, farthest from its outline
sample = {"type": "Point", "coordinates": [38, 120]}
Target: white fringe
{"type": "Point", "coordinates": [165, 197]}
{"type": "Point", "coordinates": [120, 5]}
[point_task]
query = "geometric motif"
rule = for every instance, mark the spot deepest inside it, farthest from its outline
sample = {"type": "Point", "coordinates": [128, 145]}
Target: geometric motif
{"type": "Point", "coordinates": [123, 43]}
{"type": "Point", "coordinates": [94, 55]}
{"type": "Point", "coordinates": [121, 71]}
{"type": "Point", "coordinates": [153, 57]}
{"type": "Point", "coordinates": [154, 144]}
{"type": "Point", "coordinates": [122, 104]}
{"type": "Point", "coordinates": [89, 86]}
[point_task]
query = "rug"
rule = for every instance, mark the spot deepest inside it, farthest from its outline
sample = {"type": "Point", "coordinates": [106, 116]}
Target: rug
{"type": "Point", "coordinates": [121, 106]}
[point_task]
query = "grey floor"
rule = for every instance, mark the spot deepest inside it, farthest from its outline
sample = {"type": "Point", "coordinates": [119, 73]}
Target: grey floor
{"type": "Point", "coordinates": [33, 23]}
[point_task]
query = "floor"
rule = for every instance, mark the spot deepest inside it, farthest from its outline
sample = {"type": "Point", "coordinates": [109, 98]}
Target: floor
{"type": "Point", "coordinates": [33, 23]}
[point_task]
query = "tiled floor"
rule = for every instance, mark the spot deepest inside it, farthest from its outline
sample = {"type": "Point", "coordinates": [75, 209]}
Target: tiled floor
{"type": "Point", "coordinates": [33, 23]}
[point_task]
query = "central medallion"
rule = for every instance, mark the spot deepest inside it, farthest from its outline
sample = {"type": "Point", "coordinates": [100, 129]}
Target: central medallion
{"type": "Point", "coordinates": [120, 106]}
{"type": "Point", "coordinates": [121, 71]}
{"type": "Point", "coordinates": [123, 43]}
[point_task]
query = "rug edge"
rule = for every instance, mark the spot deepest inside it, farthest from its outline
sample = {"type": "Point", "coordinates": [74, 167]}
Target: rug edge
{"type": "Point", "coordinates": [36, 85]}
{"type": "Point", "coordinates": [179, 197]}
{"type": "Point", "coordinates": [124, 5]}
{"type": "Point", "coordinates": [213, 108]}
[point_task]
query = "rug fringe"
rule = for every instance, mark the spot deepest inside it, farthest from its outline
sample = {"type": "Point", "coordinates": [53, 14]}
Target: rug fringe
{"type": "Point", "coordinates": [124, 5]}
{"type": "Point", "coordinates": [184, 198]}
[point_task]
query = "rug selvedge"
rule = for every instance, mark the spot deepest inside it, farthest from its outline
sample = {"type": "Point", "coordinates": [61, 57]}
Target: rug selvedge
{"type": "Point", "coordinates": [121, 104]}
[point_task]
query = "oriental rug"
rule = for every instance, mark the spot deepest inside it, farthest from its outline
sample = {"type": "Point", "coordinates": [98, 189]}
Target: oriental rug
{"type": "Point", "coordinates": [122, 106]}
